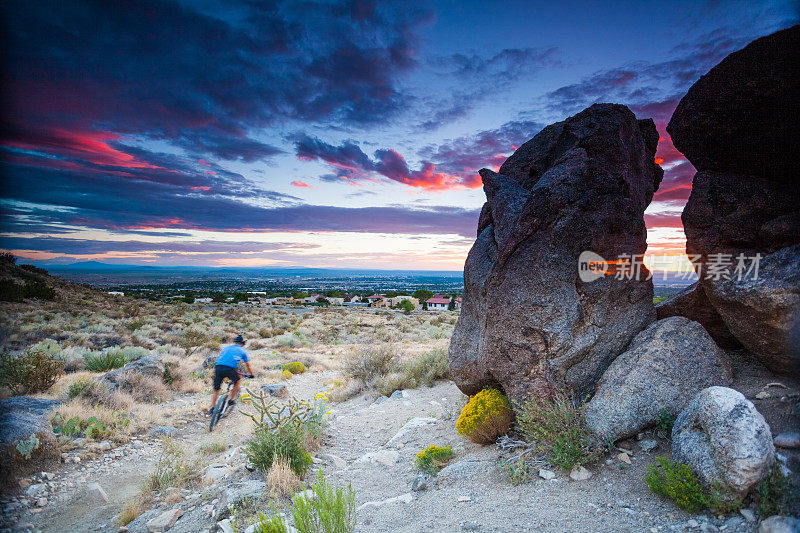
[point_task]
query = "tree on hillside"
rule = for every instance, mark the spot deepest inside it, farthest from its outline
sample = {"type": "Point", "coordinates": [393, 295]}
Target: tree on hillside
{"type": "Point", "coordinates": [239, 297]}
{"type": "Point", "coordinates": [452, 305]}
{"type": "Point", "coordinates": [324, 302]}
{"type": "Point", "coordinates": [423, 295]}
{"type": "Point", "coordinates": [189, 297]}
{"type": "Point", "coordinates": [300, 295]}
{"type": "Point", "coordinates": [219, 297]}
{"type": "Point", "coordinates": [406, 306]}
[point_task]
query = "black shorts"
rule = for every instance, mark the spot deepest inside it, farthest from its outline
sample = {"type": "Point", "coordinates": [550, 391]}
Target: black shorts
{"type": "Point", "coordinates": [221, 372]}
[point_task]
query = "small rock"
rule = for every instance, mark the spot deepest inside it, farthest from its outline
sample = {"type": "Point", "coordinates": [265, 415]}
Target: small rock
{"type": "Point", "coordinates": [546, 474]}
{"type": "Point", "coordinates": [24, 484]}
{"type": "Point", "coordinates": [420, 483]}
{"type": "Point", "coordinates": [403, 498]}
{"type": "Point", "coordinates": [763, 395]}
{"type": "Point", "coordinates": [380, 399]}
{"type": "Point", "coordinates": [49, 476]}
{"type": "Point", "coordinates": [624, 457]}
{"type": "Point", "coordinates": [41, 502]}
{"type": "Point", "coordinates": [788, 439]}
{"type": "Point", "coordinates": [36, 489]}
{"type": "Point", "coordinates": [214, 473]}
{"type": "Point", "coordinates": [579, 473]}
{"type": "Point", "coordinates": [164, 521]}
{"type": "Point", "coordinates": [707, 527]}
{"type": "Point", "coordinates": [648, 445]}
{"type": "Point", "coordinates": [779, 524]}
{"type": "Point", "coordinates": [396, 394]}
{"type": "Point", "coordinates": [167, 431]}
{"type": "Point", "coordinates": [381, 457]}
{"type": "Point", "coordinates": [278, 390]}
{"type": "Point", "coordinates": [748, 515]}
{"type": "Point", "coordinates": [692, 523]}
{"type": "Point", "coordinates": [96, 493]}
{"type": "Point", "coordinates": [225, 526]}
{"type": "Point", "coordinates": [733, 523]}
{"type": "Point", "coordinates": [464, 499]}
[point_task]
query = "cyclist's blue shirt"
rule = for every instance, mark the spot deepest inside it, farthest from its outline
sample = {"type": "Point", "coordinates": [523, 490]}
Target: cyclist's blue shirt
{"type": "Point", "coordinates": [231, 356]}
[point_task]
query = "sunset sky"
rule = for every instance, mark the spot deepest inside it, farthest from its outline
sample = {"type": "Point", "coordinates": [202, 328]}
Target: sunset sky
{"type": "Point", "coordinates": [314, 133]}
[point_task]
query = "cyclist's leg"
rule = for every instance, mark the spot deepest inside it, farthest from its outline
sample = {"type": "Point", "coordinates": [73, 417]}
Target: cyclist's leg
{"type": "Point", "coordinates": [234, 391]}
{"type": "Point", "coordinates": [218, 377]}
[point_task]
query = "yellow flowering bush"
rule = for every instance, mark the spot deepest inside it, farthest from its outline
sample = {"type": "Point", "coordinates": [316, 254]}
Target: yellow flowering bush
{"type": "Point", "coordinates": [295, 368]}
{"type": "Point", "coordinates": [677, 482]}
{"type": "Point", "coordinates": [286, 375]}
{"type": "Point", "coordinates": [433, 458]}
{"type": "Point", "coordinates": [486, 417]}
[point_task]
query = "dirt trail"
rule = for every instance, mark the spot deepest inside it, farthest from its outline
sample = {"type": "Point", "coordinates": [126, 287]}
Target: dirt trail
{"type": "Point", "coordinates": [372, 445]}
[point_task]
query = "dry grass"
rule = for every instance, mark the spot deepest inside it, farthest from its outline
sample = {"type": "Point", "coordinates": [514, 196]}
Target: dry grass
{"type": "Point", "coordinates": [133, 509]}
{"type": "Point", "coordinates": [143, 415]}
{"type": "Point", "coordinates": [282, 480]}
{"type": "Point", "coordinates": [145, 389]}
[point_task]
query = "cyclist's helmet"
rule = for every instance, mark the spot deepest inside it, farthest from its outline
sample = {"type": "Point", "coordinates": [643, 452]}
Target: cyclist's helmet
{"type": "Point", "coordinates": [239, 339]}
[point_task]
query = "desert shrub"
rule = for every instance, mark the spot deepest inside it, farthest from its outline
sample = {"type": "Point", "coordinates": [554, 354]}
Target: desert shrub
{"type": "Point", "coordinates": [665, 421]}
{"type": "Point", "coordinates": [373, 363]}
{"type": "Point", "coordinates": [88, 389]}
{"type": "Point", "coordinates": [676, 482]}
{"type": "Point", "coordinates": [191, 340]}
{"type": "Point", "coordinates": [287, 441]}
{"type": "Point", "coordinates": [72, 358]}
{"type": "Point", "coordinates": [285, 375]}
{"type": "Point", "coordinates": [486, 417]}
{"type": "Point", "coordinates": [213, 448]}
{"type": "Point", "coordinates": [11, 292]}
{"type": "Point", "coordinates": [282, 479]}
{"type": "Point", "coordinates": [135, 324]}
{"type": "Point", "coordinates": [105, 361]}
{"type": "Point", "coordinates": [428, 368]}
{"type": "Point", "coordinates": [173, 469]}
{"type": "Point", "coordinates": [271, 523]}
{"type": "Point", "coordinates": [776, 494]}
{"type": "Point", "coordinates": [147, 389]}
{"type": "Point", "coordinates": [558, 430]}
{"type": "Point", "coordinates": [433, 458]}
{"type": "Point", "coordinates": [26, 447]}
{"type": "Point", "coordinates": [519, 470]}
{"type": "Point", "coordinates": [295, 367]}
{"type": "Point", "coordinates": [328, 510]}
{"type": "Point", "coordinates": [35, 370]}
{"type": "Point", "coordinates": [386, 385]}
{"type": "Point", "coordinates": [92, 427]}
{"type": "Point", "coordinates": [38, 289]}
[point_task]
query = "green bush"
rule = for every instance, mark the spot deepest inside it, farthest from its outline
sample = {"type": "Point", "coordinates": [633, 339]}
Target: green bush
{"type": "Point", "coordinates": [35, 370]}
{"type": "Point", "coordinates": [427, 369]}
{"type": "Point", "coordinates": [113, 358]}
{"type": "Point", "coordinates": [295, 367]}
{"type": "Point", "coordinates": [374, 363]}
{"type": "Point", "coordinates": [87, 388]}
{"type": "Point", "coordinates": [287, 441]}
{"type": "Point", "coordinates": [272, 523]}
{"type": "Point", "coordinates": [519, 471]}
{"type": "Point", "coordinates": [11, 292]}
{"type": "Point", "coordinates": [38, 289]}
{"type": "Point", "coordinates": [558, 430]}
{"type": "Point", "coordinates": [665, 421]}
{"type": "Point", "coordinates": [776, 494]}
{"type": "Point", "coordinates": [26, 447]}
{"type": "Point", "coordinates": [433, 458]}
{"type": "Point", "coordinates": [676, 482]}
{"type": "Point", "coordinates": [172, 468]}
{"type": "Point", "coordinates": [328, 510]}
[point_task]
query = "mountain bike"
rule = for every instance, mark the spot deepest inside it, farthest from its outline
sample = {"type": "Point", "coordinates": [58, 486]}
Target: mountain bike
{"type": "Point", "coordinates": [223, 404]}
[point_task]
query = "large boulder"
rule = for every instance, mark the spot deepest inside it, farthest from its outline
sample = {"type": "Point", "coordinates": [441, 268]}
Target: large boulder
{"type": "Point", "coordinates": [666, 365]}
{"type": "Point", "coordinates": [735, 127]}
{"type": "Point", "coordinates": [738, 117]}
{"type": "Point", "coordinates": [693, 304]}
{"type": "Point", "coordinates": [23, 417]}
{"type": "Point", "coordinates": [762, 311]}
{"type": "Point", "coordinates": [724, 438]}
{"type": "Point", "coordinates": [150, 365]}
{"type": "Point", "coordinates": [527, 320]}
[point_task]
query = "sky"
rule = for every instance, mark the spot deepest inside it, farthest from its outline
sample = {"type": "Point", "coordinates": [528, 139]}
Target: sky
{"type": "Point", "coordinates": [319, 133]}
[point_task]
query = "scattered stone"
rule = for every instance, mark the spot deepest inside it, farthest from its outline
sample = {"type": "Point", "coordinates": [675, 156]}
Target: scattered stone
{"type": "Point", "coordinates": [707, 527]}
{"type": "Point", "coordinates": [462, 499]}
{"type": "Point", "coordinates": [692, 523]}
{"type": "Point", "coordinates": [733, 523]}
{"type": "Point", "coordinates": [279, 390]}
{"type": "Point", "coordinates": [41, 502]}
{"type": "Point", "coordinates": [36, 490]}
{"type": "Point", "coordinates": [546, 474]}
{"type": "Point", "coordinates": [648, 445]}
{"type": "Point", "coordinates": [409, 427]}
{"type": "Point", "coordinates": [563, 192]}
{"type": "Point", "coordinates": [166, 431]}
{"type": "Point", "coordinates": [381, 457]}
{"type": "Point", "coordinates": [650, 377]}
{"type": "Point", "coordinates": [48, 476]}
{"type": "Point", "coordinates": [215, 473]}
{"type": "Point", "coordinates": [624, 457]}
{"type": "Point", "coordinates": [396, 394]}
{"type": "Point", "coordinates": [420, 483]}
{"type": "Point", "coordinates": [788, 439]}
{"type": "Point", "coordinates": [96, 493]}
{"type": "Point", "coordinates": [164, 521]}
{"type": "Point", "coordinates": [725, 440]}
{"type": "Point", "coordinates": [748, 515]}
{"type": "Point", "coordinates": [763, 395]}
{"type": "Point", "coordinates": [779, 524]}
{"type": "Point", "coordinates": [464, 471]}
{"type": "Point", "coordinates": [337, 462]}
{"type": "Point", "coordinates": [150, 365]}
{"type": "Point", "coordinates": [403, 498]}
{"type": "Point", "coordinates": [225, 526]}
{"type": "Point", "coordinates": [380, 399]}
{"type": "Point", "coordinates": [579, 473]}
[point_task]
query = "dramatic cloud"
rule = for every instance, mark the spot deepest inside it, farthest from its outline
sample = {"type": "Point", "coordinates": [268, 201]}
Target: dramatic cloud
{"type": "Point", "coordinates": [351, 163]}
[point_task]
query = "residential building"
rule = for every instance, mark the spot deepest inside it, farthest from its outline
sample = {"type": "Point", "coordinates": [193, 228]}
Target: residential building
{"type": "Point", "coordinates": [438, 303]}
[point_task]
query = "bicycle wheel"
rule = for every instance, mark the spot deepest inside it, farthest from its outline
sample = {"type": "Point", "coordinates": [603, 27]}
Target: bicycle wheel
{"type": "Point", "coordinates": [219, 409]}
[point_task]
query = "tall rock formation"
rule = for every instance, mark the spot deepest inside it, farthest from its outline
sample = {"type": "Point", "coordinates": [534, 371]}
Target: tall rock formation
{"type": "Point", "coordinates": [736, 126]}
{"type": "Point", "coordinates": [527, 320]}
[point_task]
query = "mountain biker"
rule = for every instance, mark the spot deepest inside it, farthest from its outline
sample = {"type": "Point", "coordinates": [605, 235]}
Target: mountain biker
{"type": "Point", "coordinates": [226, 367]}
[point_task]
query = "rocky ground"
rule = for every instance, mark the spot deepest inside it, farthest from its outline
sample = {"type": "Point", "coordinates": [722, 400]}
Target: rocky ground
{"type": "Point", "coordinates": [371, 444]}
